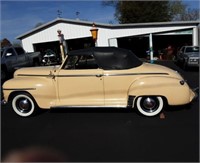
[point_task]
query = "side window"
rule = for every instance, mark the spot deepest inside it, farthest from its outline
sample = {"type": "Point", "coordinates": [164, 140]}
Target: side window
{"type": "Point", "coordinates": [188, 49]}
{"type": "Point", "coordinates": [86, 62]}
{"type": "Point", "coordinates": [81, 62]}
{"type": "Point", "coordinates": [19, 51]}
{"type": "Point", "coordinates": [71, 62]}
{"type": "Point", "coordinates": [10, 52]}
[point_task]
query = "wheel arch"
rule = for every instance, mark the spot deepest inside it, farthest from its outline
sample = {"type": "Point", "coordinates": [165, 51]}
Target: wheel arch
{"type": "Point", "coordinates": [37, 88]}
{"type": "Point", "coordinates": [149, 105]}
{"type": "Point", "coordinates": [162, 86]}
{"type": "Point", "coordinates": [24, 104]}
{"type": "Point", "coordinates": [165, 101]}
{"type": "Point", "coordinates": [14, 93]}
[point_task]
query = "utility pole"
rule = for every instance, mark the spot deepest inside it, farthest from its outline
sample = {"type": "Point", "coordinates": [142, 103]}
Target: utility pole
{"type": "Point", "coordinates": [77, 15]}
{"type": "Point", "coordinates": [59, 13]}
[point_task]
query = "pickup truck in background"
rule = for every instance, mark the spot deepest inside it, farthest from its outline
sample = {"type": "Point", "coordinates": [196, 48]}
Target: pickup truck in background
{"type": "Point", "coordinates": [14, 57]}
{"type": "Point", "coordinates": [188, 56]}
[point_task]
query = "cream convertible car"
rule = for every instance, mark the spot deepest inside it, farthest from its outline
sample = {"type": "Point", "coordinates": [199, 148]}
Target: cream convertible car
{"type": "Point", "coordinates": [97, 77]}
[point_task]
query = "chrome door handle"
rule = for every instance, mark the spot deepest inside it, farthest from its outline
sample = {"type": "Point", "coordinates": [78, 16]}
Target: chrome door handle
{"type": "Point", "coordinates": [99, 75]}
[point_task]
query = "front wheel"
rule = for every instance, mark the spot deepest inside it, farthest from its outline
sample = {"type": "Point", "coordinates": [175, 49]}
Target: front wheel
{"type": "Point", "coordinates": [23, 104]}
{"type": "Point", "coordinates": [150, 105]}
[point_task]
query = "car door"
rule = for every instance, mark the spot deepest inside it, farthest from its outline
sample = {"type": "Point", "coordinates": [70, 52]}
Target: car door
{"type": "Point", "coordinates": [116, 86]}
{"type": "Point", "coordinates": [80, 83]}
{"type": "Point", "coordinates": [10, 59]}
{"type": "Point", "coordinates": [22, 58]}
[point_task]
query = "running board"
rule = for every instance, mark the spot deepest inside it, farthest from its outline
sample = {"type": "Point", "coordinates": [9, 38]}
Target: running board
{"type": "Point", "coordinates": [59, 107]}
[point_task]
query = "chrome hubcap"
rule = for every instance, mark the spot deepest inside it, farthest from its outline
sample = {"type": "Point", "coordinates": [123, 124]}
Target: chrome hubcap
{"type": "Point", "coordinates": [149, 104]}
{"type": "Point", "coordinates": [23, 105]}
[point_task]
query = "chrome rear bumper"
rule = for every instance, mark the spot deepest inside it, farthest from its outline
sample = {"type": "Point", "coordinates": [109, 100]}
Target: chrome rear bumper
{"type": "Point", "coordinates": [196, 91]}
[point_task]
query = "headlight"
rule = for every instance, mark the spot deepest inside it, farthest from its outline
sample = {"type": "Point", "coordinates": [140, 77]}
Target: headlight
{"type": "Point", "coordinates": [193, 59]}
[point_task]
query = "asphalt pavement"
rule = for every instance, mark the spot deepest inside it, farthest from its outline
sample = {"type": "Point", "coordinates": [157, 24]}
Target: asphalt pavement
{"type": "Point", "coordinates": [105, 135]}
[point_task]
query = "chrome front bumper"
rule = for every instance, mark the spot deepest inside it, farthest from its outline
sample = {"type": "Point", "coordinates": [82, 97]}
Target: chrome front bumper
{"type": "Point", "coordinates": [3, 102]}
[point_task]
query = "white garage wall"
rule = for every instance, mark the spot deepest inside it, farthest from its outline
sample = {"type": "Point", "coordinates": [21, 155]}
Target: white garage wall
{"type": "Point", "coordinates": [72, 31]}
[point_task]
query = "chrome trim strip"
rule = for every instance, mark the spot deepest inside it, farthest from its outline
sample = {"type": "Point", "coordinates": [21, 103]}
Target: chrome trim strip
{"type": "Point", "coordinates": [96, 75]}
{"type": "Point", "coordinates": [34, 75]}
{"type": "Point", "coordinates": [19, 89]}
{"type": "Point", "coordinates": [129, 74]}
{"type": "Point", "coordinates": [81, 75]}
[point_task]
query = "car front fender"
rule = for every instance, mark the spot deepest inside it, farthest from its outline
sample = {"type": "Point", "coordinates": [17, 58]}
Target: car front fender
{"type": "Point", "coordinates": [176, 91]}
{"type": "Point", "coordinates": [43, 89]}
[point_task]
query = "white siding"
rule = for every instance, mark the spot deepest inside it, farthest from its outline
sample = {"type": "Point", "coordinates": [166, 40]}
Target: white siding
{"type": "Point", "coordinates": [142, 31]}
{"type": "Point", "coordinates": [72, 31]}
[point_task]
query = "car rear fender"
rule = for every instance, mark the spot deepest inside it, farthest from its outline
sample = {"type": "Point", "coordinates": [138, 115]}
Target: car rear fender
{"type": "Point", "coordinates": [176, 91]}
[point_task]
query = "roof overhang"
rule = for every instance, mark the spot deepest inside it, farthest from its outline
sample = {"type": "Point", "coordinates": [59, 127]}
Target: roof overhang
{"type": "Point", "coordinates": [108, 26]}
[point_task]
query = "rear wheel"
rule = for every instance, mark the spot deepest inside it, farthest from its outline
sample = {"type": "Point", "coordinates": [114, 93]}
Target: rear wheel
{"type": "Point", "coordinates": [24, 105]}
{"type": "Point", "coordinates": [150, 105]}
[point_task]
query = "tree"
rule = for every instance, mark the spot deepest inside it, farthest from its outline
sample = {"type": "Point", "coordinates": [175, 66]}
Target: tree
{"type": "Point", "coordinates": [150, 11]}
{"type": "Point", "coordinates": [177, 8]}
{"type": "Point", "coordinates": [181, 12]}
{"type": "Point", "coordinates": [5, 42]}
{"type": "Point", "coordinates": [188, 15]}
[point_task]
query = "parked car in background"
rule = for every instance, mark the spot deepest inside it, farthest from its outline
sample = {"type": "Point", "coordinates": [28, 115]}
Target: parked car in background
{"type": "Point", "coordinates": [50, 58]}
{"type": "Point", "coordinates": [14, 57]}
{"type": "Point", "coordinates": [97, 77]}
{"type": "Point", "coordinates": [188, 56]}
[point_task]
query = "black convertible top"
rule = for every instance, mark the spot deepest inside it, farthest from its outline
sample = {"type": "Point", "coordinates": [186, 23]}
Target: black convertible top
{"type": "Point", "coordinates": [110, 58]}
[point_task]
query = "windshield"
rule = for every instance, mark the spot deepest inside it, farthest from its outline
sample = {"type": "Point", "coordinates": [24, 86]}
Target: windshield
{"type": "Point", "coordinates": [192, 49]}
{"type": "Point", "coordinates": [70, 62]}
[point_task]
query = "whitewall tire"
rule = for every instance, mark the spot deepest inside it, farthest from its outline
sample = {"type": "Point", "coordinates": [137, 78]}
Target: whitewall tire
{"type": "Point", "coordinates": [23, 105]}
{"type": "Point", "coordinates": [150, 105]}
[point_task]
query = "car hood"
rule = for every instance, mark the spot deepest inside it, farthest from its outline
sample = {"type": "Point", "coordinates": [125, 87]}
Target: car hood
{"type": "Point", "coordinates": [36, 71]}
{"type": "Point", "coordinates": [193, 54]}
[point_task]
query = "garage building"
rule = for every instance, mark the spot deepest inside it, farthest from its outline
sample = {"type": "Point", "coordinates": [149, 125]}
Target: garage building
{"type": "Point", "coordinates": [140, 38]}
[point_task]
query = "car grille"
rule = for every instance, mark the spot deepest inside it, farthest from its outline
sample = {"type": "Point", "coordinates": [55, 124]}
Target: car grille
{"type": "Point", "coordinates": [194, 60]}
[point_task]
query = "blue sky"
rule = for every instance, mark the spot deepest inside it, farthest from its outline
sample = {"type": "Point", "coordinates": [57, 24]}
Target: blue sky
{"type": "Point", "coordinates": [18, 17]}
